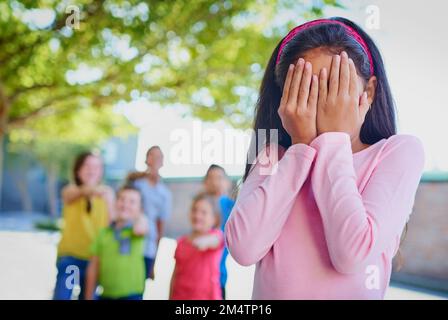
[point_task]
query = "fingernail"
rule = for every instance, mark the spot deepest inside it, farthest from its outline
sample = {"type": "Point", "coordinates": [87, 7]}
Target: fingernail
{"type": "Point", "coordinates": [308, 65]}
{"type": "Point", "coordinates": [291, 66]}
{"type": "Point", "coordinates": [344, 54]}
{"type": "Point", "coordinates": [301, 61]}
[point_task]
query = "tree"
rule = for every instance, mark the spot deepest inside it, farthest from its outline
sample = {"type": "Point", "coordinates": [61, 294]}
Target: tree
{"type": "Point", "coordinates": [164, 50]}
{"type": "Point", "coordinates": [207, 54]}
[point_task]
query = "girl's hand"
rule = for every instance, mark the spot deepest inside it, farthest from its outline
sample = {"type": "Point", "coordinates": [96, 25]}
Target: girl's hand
{"type": "Point", "coordinates": [95, 191]}
{"type": "Point", "coordinates": [298, 105]}
{"type": "Point", "coordinates": [340, 107]}
{"type": "Point", "coordinates": [205, 242]}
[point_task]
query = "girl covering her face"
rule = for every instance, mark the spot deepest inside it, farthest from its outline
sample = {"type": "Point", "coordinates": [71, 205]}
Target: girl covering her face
{"type": "Point", "coordinates": [324, 221]}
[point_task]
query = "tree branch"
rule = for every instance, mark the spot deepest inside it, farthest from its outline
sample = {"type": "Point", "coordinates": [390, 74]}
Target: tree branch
{"type": "Point", "coordinates": [23, 90]}
{"type": "Point", "coordinates": [15, 122]}
{"type": "Point", "coordinates": [44, 35]}
{"type": "Point", "coordinates": [5, 106]}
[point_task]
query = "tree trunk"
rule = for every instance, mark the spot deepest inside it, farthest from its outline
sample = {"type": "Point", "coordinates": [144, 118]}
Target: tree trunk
{"type": "Point", "coordinates": [27, 201]}
{"type": "Point", "coordinates": [52, 179]}
{"type": "Point", "coordinates": [2, 139]}
{"type": "Point", "coordinates": [4, 110]}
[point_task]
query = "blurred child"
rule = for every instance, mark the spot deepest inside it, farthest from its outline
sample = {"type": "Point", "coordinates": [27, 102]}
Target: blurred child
{"type": "Point", "coordinates": [217, 184]}
{"type": "Point", "coordinates": [117, 263]}
{"type": "Point", "coordinates": [196, 275]}
{"type": "Point", "coordinates": [88, 207]}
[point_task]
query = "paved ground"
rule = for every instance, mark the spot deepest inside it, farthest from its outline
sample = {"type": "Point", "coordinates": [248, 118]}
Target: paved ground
{"type": "Point", "coordinates": [27, 270]}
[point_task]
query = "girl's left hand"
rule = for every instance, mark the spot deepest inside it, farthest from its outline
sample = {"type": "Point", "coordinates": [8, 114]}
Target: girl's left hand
{"type": "Point", "coordinates": [341, 107]}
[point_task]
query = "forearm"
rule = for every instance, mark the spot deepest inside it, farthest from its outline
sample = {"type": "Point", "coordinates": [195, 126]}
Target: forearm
{"type": "Point", "coordinates": [360, 225]}
{"type": "Point", "coordinates": [91, 278]}
{"type": "Point", "coordinates": [340, 204]}
{"type": "Point", "coordinates": [109, 197]}
{"type": "Point", "coordinates": [264, 205]}
{"type": "Point", "coordinates": [72, 193]}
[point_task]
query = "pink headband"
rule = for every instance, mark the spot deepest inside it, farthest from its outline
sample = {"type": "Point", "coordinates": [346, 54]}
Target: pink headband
{"type": "Point", "coordinates": [352, 32]}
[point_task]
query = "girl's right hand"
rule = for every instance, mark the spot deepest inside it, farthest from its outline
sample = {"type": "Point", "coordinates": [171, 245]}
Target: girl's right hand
{"type": "Point", "coordinates": [101, 191]}
{"type": "Point", "coordinates": [298, 106]}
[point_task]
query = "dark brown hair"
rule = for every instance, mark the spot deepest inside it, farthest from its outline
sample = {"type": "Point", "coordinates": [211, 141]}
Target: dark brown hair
{"type": "Point", "coordinates": [152, 148]}
{"type": "Point", "coordinates": [79, 162]}
{"type": "Point", "coordinates": [213, 167]}
{"type": "Point", "coordinates": [129, 187]}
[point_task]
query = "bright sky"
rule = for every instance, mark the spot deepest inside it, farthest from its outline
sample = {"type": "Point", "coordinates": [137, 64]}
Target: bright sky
{"type": "Point", "coordinates": [189, 145]}
{"type": "Point", "coordinates": [412, 39]}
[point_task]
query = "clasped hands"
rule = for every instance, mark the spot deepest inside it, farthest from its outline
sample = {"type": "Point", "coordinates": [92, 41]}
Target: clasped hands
{"type": "Point", "coordinates": [334, 101]}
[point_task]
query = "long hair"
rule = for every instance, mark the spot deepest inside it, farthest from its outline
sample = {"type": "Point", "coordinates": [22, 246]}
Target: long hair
{"type": "Point", "coordinates": [79, 162]}
{"type": "Point", "coordinates": [380, 119]}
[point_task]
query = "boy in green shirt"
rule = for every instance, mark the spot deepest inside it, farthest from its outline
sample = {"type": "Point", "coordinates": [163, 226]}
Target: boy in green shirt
{"type": "Point", "coordinates": [117, 262]}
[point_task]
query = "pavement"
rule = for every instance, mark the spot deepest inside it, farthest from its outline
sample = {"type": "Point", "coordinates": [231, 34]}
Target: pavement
{"type": "Point", "coordinates": [27, 270]}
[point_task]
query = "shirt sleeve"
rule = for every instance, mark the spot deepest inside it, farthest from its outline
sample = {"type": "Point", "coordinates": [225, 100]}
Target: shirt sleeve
{"type": "Point", "coordinates": [265, 201]}
{"type": "Point", "coordinates": [359, 226]}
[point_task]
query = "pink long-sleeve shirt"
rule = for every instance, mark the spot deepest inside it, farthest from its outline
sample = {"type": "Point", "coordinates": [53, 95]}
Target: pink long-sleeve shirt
{"type": "Point", "coordinates": [326, 223]}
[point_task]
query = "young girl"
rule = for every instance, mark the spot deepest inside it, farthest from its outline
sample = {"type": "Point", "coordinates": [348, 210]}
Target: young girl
{"type": "Point", "coordinates": [117, 262]}
{"type": "Point", "coordinates": [198, 255]}
{"type": "Point", "coordinates": [88, 207]}
{"type": "Point", "coordinates": [325, 221]}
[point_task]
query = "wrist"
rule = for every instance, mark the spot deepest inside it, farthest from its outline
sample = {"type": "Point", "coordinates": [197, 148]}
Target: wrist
{"type": "Point", "coordinates": [332, 137]}
{"type": "Point", "coordinates": [302, 140]}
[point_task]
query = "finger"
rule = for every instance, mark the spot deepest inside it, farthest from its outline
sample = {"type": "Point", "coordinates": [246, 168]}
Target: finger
{"type": "Point", "coordinates": [323, 87]}
{"type": "Point", "coordinates": [314, 93]}
{"type": "Point", "coordinates": [334, 76]}
{"type": "Point", "coordinates": [353, 87]}
{"type": "Point", "coordinates": [344, 74]}
{"type": "Point", "coordinates": [286, 86]}
{"type": "Point", "coordinates": [304, 89]}
{"type": "Point", "coordinates": [295, 84]}
{"type": "Point", "coordinates": [363, 106]}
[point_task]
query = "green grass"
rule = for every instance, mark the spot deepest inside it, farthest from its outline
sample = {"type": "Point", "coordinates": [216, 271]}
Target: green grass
{"type": "Point", "coordinates": [48, 225]}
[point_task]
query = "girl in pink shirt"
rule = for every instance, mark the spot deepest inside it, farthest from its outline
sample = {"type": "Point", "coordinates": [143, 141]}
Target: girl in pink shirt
{"type": "Point", "coordinates": [198, 255]}
{"type": "Point", "coordinates": [322, 209]}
